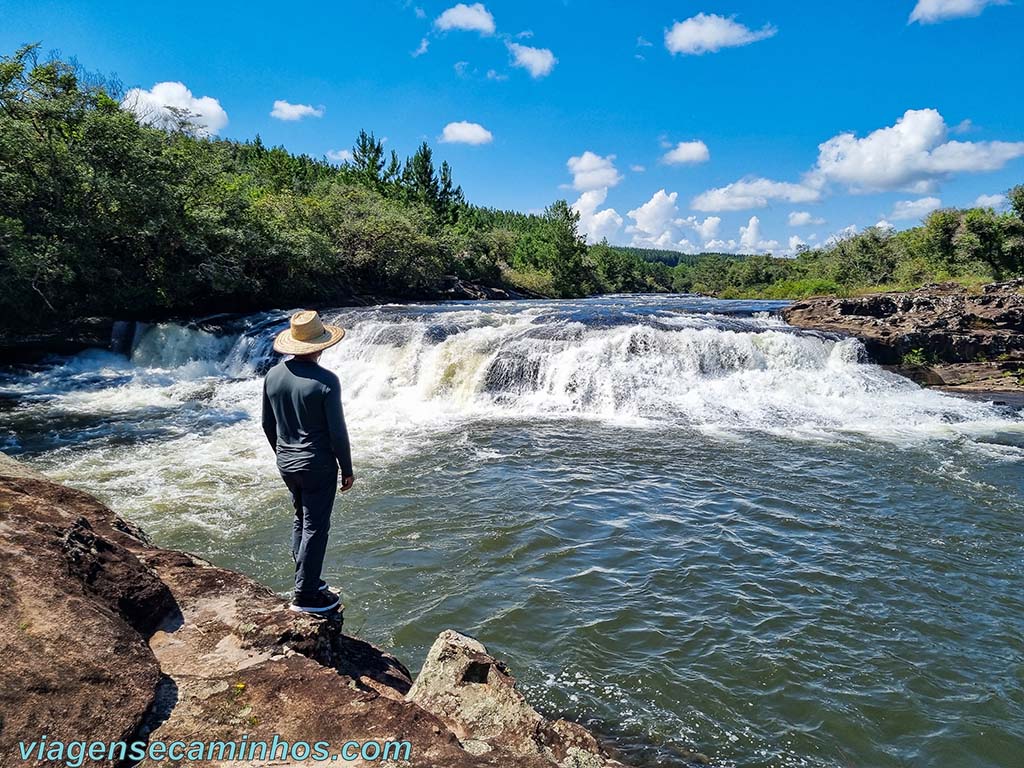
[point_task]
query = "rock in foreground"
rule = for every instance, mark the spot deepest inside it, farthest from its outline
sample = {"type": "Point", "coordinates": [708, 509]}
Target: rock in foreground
{"type": "Point", "coordinates": [106, 637]}
{"type": "Point", "coordinates": [939, 335]}
{"type": "Point", "coordinates": [475, 696]}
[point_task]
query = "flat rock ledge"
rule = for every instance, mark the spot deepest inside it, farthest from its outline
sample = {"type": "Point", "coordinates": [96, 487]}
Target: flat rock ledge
{"type": "Point", "coordinates": [940, 335]}
{"type": "Point", "coordinates": [105, 636]}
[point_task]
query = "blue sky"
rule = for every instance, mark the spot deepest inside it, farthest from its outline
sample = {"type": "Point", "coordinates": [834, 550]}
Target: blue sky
{"type": "Point", "coordinates": [686, 125]}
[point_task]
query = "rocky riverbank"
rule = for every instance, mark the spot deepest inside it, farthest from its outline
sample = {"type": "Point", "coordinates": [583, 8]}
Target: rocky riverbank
{"type": "Point", "coordinates": [106, 637]}
{"type": "Point", "coordinates": [940, 335]}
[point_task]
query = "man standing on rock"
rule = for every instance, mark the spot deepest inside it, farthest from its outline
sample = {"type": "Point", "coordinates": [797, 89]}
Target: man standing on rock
{"type": "Point", "coordinates": [305, 424]}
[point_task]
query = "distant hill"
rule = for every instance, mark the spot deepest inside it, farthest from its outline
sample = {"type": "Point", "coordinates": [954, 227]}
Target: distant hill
{"type": "Point", "coordinates": [674, 258]}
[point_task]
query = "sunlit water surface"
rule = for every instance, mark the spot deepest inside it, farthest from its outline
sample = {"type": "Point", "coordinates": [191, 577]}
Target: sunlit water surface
{"type": "Point", "coordinates": [679, 520]}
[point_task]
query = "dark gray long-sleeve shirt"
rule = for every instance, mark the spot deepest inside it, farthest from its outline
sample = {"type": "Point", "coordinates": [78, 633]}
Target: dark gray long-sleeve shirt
{"type": "Point", "coordinates": [303, 419]}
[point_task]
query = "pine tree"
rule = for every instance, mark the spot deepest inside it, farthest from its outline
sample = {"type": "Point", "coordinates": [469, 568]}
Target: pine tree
{"type": "Point", "coordinates": [420, 178]}
{"type": "Point", "coordinates": [368, 158]}
{"type": "Point", "coordinates": [393, 173]}
{"type": "Point", "coordinates": [450, 197]}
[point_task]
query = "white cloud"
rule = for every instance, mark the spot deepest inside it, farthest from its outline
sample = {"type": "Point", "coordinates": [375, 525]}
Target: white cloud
{"type": "Point", "coordinates": [339, 155]}
{"type": "Point", "coordinates": [493, 74]}
{"type": "Point", "coordinates": [460, 68]}
{"type": "Point", "coordinates": [593, 175]}
{"type": "Point", "coordinates": [687, 152]}
{"type": "Point", "coordinates": [473, 18]}
{"type": "Point", "coordinates": [424, 45]}
{"type": "Point", "coordinates": [537, 61]}
{"type": "Point", "coordinates": [656, 224]}
{"type": "Point", "coordinates": [158, 105]}
{"type": "Point", "coordinates": [906, 210]}
{"type": "Point", "coordinates": [913, 155]}
{"type": "Point", "coordinates": [464, 132]}
{"type": "Point", "coordinates": [753, 193]}
{"type": "Point", "coordinates": [990, 201]}
{"type": "Point", "coordinates": [590, 171]}
{"type": "Point", "coordinates": [642, 42]}
{"type": "Point", "coordinates": [803, 219]}
{"type": "Point", "coordinates": [637, 168]}
{"type": "Point", "coordinates": [707, 229]}
{"type": "Point", "coordinates": [795, 243]}
{"type": "Point", "coordinates": [284, 110]}
{"type": "Point", "coordinates": [933, 11]}
{"type": "Point", "coordinates": [597, 224]}
{"type": "Point", "coordinates": [420, 13]}
{"type": "Point", "coordinates": [708, 33]}
{"type": "Point", "coordinates": [751, 240]}
{"type": "Point", "coordinates": [884, 224]}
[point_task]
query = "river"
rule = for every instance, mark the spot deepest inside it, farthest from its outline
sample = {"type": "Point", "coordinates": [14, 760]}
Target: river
{"type": "Point", "coordinates": [679, 520]}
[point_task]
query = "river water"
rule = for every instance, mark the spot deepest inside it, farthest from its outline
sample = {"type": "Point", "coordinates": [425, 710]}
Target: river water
{"type": "Point", "coordinates": [679, 520]}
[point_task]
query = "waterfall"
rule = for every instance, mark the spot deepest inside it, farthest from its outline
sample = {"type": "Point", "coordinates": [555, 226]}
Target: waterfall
{"type": "Point", "coordinates": [746, 372]}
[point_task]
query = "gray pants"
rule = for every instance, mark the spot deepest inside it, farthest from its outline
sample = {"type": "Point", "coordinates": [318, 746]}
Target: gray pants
{"type": "Point", "coordinates": [313, 493]}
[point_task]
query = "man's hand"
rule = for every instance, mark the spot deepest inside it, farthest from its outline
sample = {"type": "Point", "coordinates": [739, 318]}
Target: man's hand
{"type": "Point", "coordinates": [346, 482]}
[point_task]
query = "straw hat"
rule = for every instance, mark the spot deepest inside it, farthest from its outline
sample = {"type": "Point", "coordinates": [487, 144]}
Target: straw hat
{"type": "Point", "coordinates": [307, 335]}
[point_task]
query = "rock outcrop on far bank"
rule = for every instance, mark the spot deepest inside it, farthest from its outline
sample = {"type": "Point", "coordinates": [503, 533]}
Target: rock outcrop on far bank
{"type": "Point", "coordinates": [106, 637]}
{"type": "Point", "coordinates": [940, 335]}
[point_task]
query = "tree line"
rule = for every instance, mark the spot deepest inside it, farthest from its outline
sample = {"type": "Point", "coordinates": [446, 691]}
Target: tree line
{"type": "Point", "coordinates": [102, 215]}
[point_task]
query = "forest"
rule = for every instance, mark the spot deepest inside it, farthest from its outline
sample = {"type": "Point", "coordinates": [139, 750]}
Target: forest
{"type": "Point", "coordinates": [102, 215]}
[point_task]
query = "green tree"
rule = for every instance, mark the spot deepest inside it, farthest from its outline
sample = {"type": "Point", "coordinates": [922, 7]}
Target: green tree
{"type": "Point", "coordinates": [569, 265]}
{"type": "Point", "coordinates": [419, 178]}
{"type": "Point", "coordinates": [368, 159]}
{"type": "Point", "coordinates": [866, 259]}
{"type": "Point", "coordinates": [449, 195]}
{"type": "Point", "coordinates": [980, 238]}
{"type": "Point", "coordinates": [940, 229]}
{"type": "Point", "coordinates": [616, 271]}
{"type": "Point", "coordinates": [1016, 198]}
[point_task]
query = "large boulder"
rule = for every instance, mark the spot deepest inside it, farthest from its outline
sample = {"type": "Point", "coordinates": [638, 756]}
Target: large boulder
{"type": "Point", "coordinates": [74, 608]}
{"type": "Point", "coordinates": [475, 696]}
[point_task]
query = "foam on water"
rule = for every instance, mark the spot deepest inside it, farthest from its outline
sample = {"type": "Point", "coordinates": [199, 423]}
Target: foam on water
{"type": "Point", "coordinates": [408, 372]}
{"type": "Point", "coordinates": [703, 373]}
